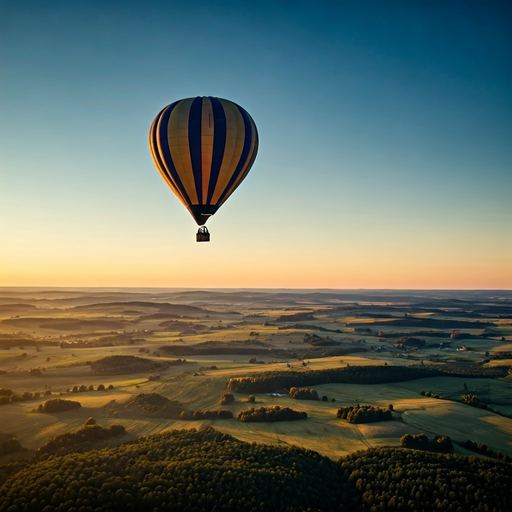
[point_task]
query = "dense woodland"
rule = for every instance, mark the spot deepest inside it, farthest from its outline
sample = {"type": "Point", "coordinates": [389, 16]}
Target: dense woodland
{"type": "Point", "coordinates": [194, 471]}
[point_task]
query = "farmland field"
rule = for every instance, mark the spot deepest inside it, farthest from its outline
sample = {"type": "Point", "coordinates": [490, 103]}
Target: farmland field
{"type": "Point", "coordinates": [186, 345]}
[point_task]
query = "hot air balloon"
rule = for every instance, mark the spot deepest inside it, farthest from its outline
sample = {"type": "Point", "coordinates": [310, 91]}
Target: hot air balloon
{"type": "Point", "coordinates": [203, 147]}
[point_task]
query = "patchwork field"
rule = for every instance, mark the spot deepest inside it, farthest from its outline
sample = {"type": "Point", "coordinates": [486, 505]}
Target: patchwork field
{"type": "Point", "coordinates": [185, 345]}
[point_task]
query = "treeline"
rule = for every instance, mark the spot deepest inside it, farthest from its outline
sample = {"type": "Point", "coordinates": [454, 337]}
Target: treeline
{"type": "Point", "coordinates": [364, 413]}
{"type": "Point", "coordinates": [485, 450]}
{"type": "Point", "coordinates": [83, 388]}
{"type": "Point", "coordinates": [475, 371]}
{"type": "Point", "coordinates": [194, 471]}
{"type": "Point", "coordinates": [80, 440]}
{"type": "Point", "coordinates": [58, 405]}
{"type": "Point", "coordinates": [7, 396]}
{"type": "Point", "coordinates": [474, 401]}
{"type": "Point", "coordinates": [267, 382]}
{"type": "Point", "coordinates": [271, 414]}
{"type": "Point", "coordinates": [422, 442]}
{"type": "Point", "coordinates": [221, 414]}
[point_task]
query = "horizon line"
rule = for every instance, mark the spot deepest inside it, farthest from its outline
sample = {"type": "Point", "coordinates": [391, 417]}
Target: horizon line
{"type": "Point", "coordinates": [194, 288]}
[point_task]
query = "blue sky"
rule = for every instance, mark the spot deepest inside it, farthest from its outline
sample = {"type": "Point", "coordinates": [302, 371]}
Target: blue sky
{"type": "Point", "coordinates": [385, 157]}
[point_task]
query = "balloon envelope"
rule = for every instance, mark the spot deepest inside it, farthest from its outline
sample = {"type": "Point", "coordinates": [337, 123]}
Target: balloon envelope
{"type": "Point", "coordinates": [203, 147]}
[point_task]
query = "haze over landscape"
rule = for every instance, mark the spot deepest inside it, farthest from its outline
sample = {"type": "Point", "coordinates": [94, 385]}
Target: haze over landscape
{"type": "Point", "coordinates": [343, 342]}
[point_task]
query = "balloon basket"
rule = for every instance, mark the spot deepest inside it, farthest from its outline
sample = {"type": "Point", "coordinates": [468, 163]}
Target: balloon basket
{"type": "Point", "coordinates": [202, 234]}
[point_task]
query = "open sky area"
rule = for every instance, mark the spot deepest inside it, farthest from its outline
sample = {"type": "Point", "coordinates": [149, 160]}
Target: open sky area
{"type": "Point", "coordinates": [385, 157]}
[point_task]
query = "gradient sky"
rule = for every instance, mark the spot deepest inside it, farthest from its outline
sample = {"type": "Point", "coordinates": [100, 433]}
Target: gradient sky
{"type": "Point", "coordinates": [385, 155]}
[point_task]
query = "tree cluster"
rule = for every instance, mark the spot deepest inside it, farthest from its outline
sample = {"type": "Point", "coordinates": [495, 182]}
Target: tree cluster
{"type": "Point", "coordinates": [58, 405]}
{"type": "Point", "coordinates": [318, 341]}
{"type": "Point", "coordinates": [473, 401]}
{"type": "Point", "coordinates": [83, 388]}
{"type": "Point", "coordinates": [271, 414]}
{"type": "Point", "coordinates": [422, 442]}
{"type": "Point", "coordinates": [226, 399]}
{"type": "Point", "coordinates": [155, 404]}
{"type": "Point", "coordinates": [429, 394]}
{"type": "Point", "coordinates": [303, 394]}
{"type": "Point", "coordinates": [364, 413]}
{"type": "Point", "coordinates": [410, 343]}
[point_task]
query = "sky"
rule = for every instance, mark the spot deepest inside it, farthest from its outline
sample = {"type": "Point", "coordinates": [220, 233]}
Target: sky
{"type": "Point", "coordinates": [385, 155]}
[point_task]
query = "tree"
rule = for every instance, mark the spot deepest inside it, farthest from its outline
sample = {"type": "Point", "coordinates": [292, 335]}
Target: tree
{"type": "Point", "coordinates": [407, 441]}
{"type": "Point", "coordinates": [226, 399]}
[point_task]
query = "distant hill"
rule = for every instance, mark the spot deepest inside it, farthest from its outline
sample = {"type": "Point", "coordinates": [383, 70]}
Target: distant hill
{"type": "Point", "coordinates": [163, 307]}
{"type": "Point", "coordinates": [118, 365]}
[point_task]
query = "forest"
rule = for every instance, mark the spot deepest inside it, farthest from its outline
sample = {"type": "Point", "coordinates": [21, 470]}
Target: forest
{"type": "Point", "coordinates": [208, 470]}
{"type": "Point", "coordinates": [268, 382]}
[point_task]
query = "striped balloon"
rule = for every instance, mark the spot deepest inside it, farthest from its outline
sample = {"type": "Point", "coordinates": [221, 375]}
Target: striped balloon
{"type": "Point", "coordinates": [203, 147]}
